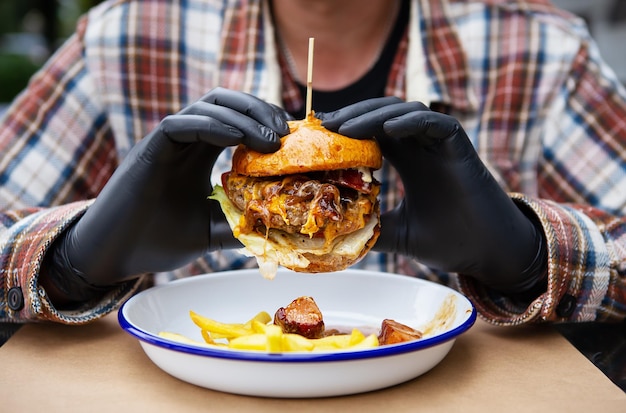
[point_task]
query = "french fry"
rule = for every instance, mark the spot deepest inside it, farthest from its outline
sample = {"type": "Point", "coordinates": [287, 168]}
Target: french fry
{"type": "Point", "coordinates": [356, 337]}
{"type": "Point", "coordinates": [274, 335]}
{"type": "Point", "coordinates": [259, 334]}
{"type": "Point", "coordinates": [296, 342]}
{"type": "Point", "coordinates": [259, 327]}
{"type": "Point", "coordinates": [338, 341]}
{"type": "Point", "coordinates": [249, 342]}
{"type": "Point", "coordinates": [261, 317]}
{"type": "Point", "coordinates": [370, 341]}
{"type": "Point", "coordinates": [207, 337]}
{"type": "Point", "coordinates": [186, 340]}
{"type": "Point", "coordinates": [223, 330]}
{"type": "Point", "coordinates": [212, 335]}
{"type": "Point", "coordinates": [178, 337]}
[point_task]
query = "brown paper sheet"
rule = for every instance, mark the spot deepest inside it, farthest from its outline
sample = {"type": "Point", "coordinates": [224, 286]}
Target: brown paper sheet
{"type": "Point", "coordinates": [100, 368]}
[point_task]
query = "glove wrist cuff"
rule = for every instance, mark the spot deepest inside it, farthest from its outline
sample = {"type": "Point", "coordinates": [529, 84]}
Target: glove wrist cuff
{"type": "Point", "coordinates": [535, 277]}
{"type": "Point", "coordinates": [68, 282]}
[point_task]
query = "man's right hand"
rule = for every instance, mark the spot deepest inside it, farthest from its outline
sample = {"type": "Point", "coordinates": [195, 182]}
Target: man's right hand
{"type": "Point", "coordinates": [153, 215]}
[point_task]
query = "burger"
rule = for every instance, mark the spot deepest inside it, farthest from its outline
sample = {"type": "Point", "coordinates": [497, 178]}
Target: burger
{"type": "Point", "coordinates": [311, 206]}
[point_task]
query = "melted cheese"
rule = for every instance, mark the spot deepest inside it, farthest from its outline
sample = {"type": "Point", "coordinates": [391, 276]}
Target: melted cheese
{"type": "Point", "coordinates": [366, 174]}
{"type": "Point", "coordinates": [277, 249]}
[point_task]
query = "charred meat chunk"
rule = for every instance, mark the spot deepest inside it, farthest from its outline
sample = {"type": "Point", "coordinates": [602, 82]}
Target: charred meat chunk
{"type": "Point", "coordinates": [393, 332]}
{"type": "Point", "coordinates": [302, 316]}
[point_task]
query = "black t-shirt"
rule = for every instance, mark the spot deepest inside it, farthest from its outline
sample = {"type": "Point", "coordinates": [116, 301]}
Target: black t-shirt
{"type": "Point", "coordinates": [370, 85]}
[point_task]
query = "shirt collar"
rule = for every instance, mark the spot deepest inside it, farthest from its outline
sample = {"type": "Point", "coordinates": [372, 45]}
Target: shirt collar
{"type": "Point", "coordinates": [434, 50]}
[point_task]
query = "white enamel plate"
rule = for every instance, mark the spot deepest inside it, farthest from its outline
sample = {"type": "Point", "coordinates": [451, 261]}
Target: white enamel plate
{"type": "Point", "coordinates": [347, 299]}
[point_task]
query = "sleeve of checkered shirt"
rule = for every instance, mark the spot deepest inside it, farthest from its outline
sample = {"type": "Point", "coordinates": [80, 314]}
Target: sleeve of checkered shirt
{"type": "Point", "coordinates": [586, 240]}
{"type": "Point", "coordinates": [57, 152]}
{"type": "Point", "coordinates": [26, 236]}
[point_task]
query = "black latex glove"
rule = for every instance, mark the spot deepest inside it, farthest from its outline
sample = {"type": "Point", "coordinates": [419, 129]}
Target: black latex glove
{"type": "Point", "coordinates": [454, 216]}
{"type": "Point", "coordinates": [153, 215]}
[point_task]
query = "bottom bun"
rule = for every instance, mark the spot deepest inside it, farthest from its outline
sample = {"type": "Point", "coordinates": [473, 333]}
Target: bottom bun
{"type": "Point", "coordinates": [299, 252]}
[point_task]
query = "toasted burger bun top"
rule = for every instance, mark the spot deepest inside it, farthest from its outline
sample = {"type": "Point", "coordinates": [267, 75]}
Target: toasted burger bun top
{"type": "Point", "coordinates": [308, 147]}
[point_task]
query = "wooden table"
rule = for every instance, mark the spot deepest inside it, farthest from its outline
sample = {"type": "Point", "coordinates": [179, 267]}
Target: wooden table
{"type": "Point", "coordinates": [100, 368]}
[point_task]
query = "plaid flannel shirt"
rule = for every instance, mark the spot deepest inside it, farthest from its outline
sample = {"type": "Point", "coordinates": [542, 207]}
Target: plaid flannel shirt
{"type": "Point", "coordinates": [544, 112]}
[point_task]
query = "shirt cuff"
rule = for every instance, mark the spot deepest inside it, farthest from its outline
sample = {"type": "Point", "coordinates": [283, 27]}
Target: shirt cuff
{"type": "Point", "coordinates": [25, 246]}
{"type": "Point", "coordinates": [576, 286]}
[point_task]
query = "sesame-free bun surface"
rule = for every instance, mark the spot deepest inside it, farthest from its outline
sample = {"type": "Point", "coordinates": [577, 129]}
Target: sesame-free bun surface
{"type": "Point", "coordinates": [308, 147]}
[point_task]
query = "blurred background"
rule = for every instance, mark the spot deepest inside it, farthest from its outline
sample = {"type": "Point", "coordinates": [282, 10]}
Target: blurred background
{"type": "Point", "coordinates": [607, 22]}
{"type": "Point", "coordinates": [30, 30]}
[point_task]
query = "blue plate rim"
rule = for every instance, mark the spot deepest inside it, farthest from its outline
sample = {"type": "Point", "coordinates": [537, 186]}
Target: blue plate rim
{"type": "Point", "coordinates": [301, 357]}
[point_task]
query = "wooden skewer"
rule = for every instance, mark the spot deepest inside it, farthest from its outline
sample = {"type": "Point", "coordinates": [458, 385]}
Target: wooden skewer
{"type": "Point", "coordinates": [309, 80]}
